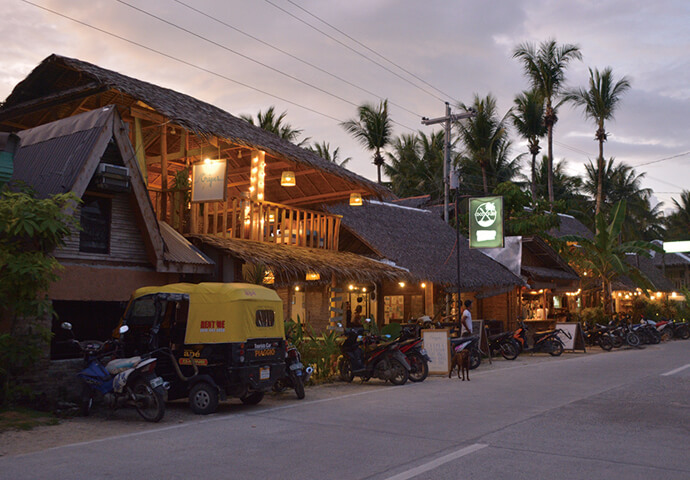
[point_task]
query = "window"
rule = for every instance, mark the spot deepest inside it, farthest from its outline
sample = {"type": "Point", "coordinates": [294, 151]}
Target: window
{"type": "Point", "coordinates": [265, 318]}
{"type": "Point", "coordinates": [95, 224]}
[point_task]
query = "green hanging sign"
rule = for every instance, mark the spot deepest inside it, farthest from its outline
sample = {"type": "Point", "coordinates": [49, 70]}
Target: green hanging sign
{"type": "Point", "coordinates": [486, 222]}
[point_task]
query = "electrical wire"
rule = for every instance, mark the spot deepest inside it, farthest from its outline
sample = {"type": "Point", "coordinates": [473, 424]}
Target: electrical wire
{"type": "Point", "coordinates": [353, 50]}
{"type": "Point", "coordinates": [295, 57]}
{"type": "Point", "coordinates": [373, 51]}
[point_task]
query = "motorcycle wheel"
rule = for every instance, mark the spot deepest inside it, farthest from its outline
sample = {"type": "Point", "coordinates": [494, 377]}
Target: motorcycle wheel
{"type": "Point", "coordinates": [555, 348]}
{"type": "Point", "coordinates": [253, 398]}
{"type": "Point", "coordinates": [345, 370]}
{"type": "Point", "coordinates": [400, 374]}
{"type": "Point", "coordinates": [517, 345]}
{"type": "Point", "coordinates": [85, 400]}
{"type": "Point", "coordinates": [605, 343]}
{"type": "Point", "coordinates": [149, 402]}
{"type": "Point", "coordinates": [475, 358]}
{"type": "Point", "coordinates": [632, 339]}
{"type": "Point", "coordinates": [299, 386]}
{"type": "Point", "coordinates": [617, 341]}
{"type": "Point", "coordinates": [654, 337]}
{"type": "Point", "coordinates": [683, 332]}
{"type": "Point", "coordinates": [508, 351]}
{"type": "Point", "coordinates": [203, 398]}
{"type": "Point", "coordinates": [419, 368]}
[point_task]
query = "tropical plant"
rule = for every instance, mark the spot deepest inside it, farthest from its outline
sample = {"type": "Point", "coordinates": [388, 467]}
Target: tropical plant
{"type": "Point", "coordinates": [678, 222]}
{"type": "Point", "coordinates": [604, 256]}
{"type": "Point", "coordinates": [600, 101]}
{"type": "Point", "coordinates": [415, 165]}
{"type": "Point", "coordinates": [323, 150]}
{"type": "Point", "coordinates": [485, 137]}
{"type": "Point", "coordinates": [528, 119]}
{"type": "Point", "coordinates": [521, 220]}
{"type": "Point", "coordinates": [273, 123]}
{"type": "Point", "coordinates": [373, 129]}
{"type": "Point", "coordinates": [545, 67]}
{"type": "Point", "coordinates": [567, 188]}
{"type": "Point", "coordinates": [30, 229]}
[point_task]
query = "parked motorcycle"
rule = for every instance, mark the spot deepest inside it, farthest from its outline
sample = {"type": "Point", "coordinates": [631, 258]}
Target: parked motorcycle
{"type": "Point", "coordinates": [368, 358]}
{"type": "Point", "coordinates": [412, 346]}
{"type": "Point", "coordinates": [296, 375]}
{"type": "Point", "coordinates": [122, 382]}
{"type": "Point", "coordinates": [597, 335]}
{"type": "Point", "coordinates": [470, 343]}
{"type": "Point", "coordinates": [504, 344]}
{"type": "Point", "coordinates": [545, 342]}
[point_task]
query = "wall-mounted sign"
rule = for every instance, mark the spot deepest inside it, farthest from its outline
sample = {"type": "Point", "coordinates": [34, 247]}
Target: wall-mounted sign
{"type": "Point", "coordinates": [486, 222]}
{"type": "Point", "coordinates": [208, 181]}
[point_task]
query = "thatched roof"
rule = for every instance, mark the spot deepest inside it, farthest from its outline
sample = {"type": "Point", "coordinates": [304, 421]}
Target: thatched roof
{"type": "Point", "coordinates": [290, 263]}
{"type": "Point", "coordinates": [59, 77]}
{"type": "Point", "coordinates": [571, 226]}
{"type": "Point", "coordinates": [646, 265]}
{"type": "Point", "coordinates": [422, 243]}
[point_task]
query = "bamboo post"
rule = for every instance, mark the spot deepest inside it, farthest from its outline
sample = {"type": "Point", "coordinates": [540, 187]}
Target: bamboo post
{"type": "Point", "coordinates": [164, 173]}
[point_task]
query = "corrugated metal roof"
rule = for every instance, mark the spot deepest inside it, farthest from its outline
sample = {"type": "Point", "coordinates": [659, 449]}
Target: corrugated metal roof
{"type": "Point", "coordinates": [51, 156]}
{"type": "Point", "coordinates": [179, 250]}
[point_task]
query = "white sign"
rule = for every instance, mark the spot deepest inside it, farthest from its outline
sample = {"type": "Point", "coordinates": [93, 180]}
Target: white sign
{"type": "Point", "coordinates": [208, 181]}
{"type": "Point", "coordinates": [437, 346]}
{"type": "Point", "coordinates": [572, 329]}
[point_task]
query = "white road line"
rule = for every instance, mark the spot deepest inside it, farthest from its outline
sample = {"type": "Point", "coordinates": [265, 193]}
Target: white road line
{"type": "Point", "coordinates": [438, 462]}
{"type": "Point", "coordinates": [676, 370]}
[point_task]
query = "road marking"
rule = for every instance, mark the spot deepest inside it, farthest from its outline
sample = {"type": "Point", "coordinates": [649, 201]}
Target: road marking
{"type": "Point", "coordinates": [676, 370]}
{"type": "Point", "coordinates": [438, 462]}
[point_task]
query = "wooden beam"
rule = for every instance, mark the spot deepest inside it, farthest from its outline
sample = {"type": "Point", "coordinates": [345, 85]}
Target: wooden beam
{"type": "Point", "coordinates": [52, 100]}
{"type": "Point", "coordinates": [323, 196]}
{"type": "Point", "coordinates": [145, 114]}
{"type": "Point", "coordinates": [164, 172]}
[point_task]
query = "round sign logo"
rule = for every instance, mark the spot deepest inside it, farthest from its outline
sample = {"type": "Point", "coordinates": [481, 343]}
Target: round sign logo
{"type": "Point", "coordinates": [485, 215]}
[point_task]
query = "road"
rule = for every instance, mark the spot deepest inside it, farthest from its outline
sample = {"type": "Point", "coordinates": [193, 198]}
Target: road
{"type": "Point", "coordinates": [623, 414]}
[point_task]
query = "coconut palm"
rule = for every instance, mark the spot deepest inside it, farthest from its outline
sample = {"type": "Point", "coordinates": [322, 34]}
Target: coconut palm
{"type": "Point", "coordinates": [604, 256]}
{"type": "Point", "coordinates": [600, 101]}
{"type": "Point", "coordinates": [545, 67]}
{"type": "Point", "coordinates": [323, 150]}
{"type": "Point", "coordinates": [528, 119]}
{"type": "Point", "coordinates": [415, 165]}
{"type": "Point", "coordinates": [485, 136]}
{"type": "Point", "coordinates": [678, 222]}
{"type": "Point", "coordinates": [372, 129]}
{"type": "Point", "coordinates": [275, 124]}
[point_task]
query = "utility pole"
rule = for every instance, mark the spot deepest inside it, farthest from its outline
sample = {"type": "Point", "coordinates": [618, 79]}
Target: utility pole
{"type": "Point", "coordinates": [447, 121]}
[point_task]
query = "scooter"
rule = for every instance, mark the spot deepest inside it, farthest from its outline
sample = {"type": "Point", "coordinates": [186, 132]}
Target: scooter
{"type": "Point", "coordinates": [412, 346]}
{"type": "Point", "coordinates": [546, 342]}
{"type": "Point", "coordinates": [470, 343]}
{"type": "Point", "coordinates": [367, 358]}
{"type": "Point", "coordinates": [296, 375]}
{"type": "Point", "coordinates": [504, 344]}
{"type": "Point", "coordinates": [121, 382]}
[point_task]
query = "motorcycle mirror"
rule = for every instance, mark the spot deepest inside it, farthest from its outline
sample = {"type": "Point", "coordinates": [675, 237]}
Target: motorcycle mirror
{"type": "Point", "coordinates": [124, 329]}
{"type": "Point", "coordinates": [66, 326]}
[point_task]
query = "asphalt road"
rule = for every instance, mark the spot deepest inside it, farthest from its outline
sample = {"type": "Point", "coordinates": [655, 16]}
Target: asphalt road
{"type": "Point", "coordinates": [624, 414]}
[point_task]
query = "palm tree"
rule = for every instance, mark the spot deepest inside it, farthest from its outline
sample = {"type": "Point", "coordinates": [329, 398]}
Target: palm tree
{"type": "Point", "coordinates": [484, 135]}
{"type": "Point", "coordinates": [604, 256]}
{"type": "Point", "coordinates": [323, 150]}
{"type": "Point", "coordinates": [416, 165]}
{"type": "Point", "coordinates": [678, 222]}
{"type": "Point", "coordinates": [271, 123]}
{"type": "Point", "coordinates": [373, 129]}
{"type": "Point", "coordinates": [600, 101]}
{"type": "Point", "coordinates": [528, 118]}
{"type": "Point", "coordinates": [545, 68]}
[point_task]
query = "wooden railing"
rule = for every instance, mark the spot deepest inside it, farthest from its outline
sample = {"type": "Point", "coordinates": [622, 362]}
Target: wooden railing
{"type": "Point", "coordinates": [266, 222]}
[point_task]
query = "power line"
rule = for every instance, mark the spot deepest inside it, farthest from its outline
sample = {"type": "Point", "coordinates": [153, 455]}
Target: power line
{"type": "Point", "coordinates": [179, 60]}
{"type": "Point", "coordinates": [663, 159]}
{"type": "Point", "coordinates": [353, 50]}
{"type": "Point", "coordinates": [373, 51]}
{"type": "Point", "coordinates": [295, 57]}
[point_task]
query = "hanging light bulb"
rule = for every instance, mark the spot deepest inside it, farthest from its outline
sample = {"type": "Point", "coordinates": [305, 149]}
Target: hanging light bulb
{"type": "Point", "coordinates": [355, 199]}
{"type": "Point", "coordinates": [287, 179]}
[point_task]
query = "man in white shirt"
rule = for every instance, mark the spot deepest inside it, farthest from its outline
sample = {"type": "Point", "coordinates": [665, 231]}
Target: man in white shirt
{"type": "Point", "coordinates": [466, 319]}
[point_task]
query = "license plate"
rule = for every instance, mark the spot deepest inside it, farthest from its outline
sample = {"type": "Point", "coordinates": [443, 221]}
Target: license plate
{"type": "Point", "coordinates": [156, 382]}
{"type": "Point", "coordinates": [264, 373]}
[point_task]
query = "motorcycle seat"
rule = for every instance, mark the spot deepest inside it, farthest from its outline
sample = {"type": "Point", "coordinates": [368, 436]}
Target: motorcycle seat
{"type": "Point", "coordinates": [119, 365]}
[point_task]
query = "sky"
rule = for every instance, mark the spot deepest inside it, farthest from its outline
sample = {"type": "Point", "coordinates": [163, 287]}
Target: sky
{"type": "Point", "coordinates": [318, 60]}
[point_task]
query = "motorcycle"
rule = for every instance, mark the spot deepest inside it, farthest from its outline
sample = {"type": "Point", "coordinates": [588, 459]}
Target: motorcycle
{"type": "Point", "coordinates": [597, 335]}
{"type": "Point", "coordinates": [121, 382]}
{"type": "Point", "coordinates": [296, 375]}
{"type": "Point", "coordinates": [470, 343]}
{"type": "Point", "coordinates": [368, 358]}
{"type": "Point", "coordinates": [413, 347]}
{"type": "Point", "coordinates": [504, 344]}
{"type": "Point", "coordinates": [543, 342]}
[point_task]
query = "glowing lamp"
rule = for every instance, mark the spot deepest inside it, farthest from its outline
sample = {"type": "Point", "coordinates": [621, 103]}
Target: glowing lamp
{"type": "Point", "coordinates": [355, 199]}
{"type": "Point", "coordinates": [287, 179]}
{"type": "Point", "coordinates": [313, 276]}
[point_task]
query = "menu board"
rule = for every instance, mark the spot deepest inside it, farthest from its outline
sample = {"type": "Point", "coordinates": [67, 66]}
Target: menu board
{"type": "Point", "coordinates": [437, 346]}
{"type": "Point", "coordinates": [393, 307]}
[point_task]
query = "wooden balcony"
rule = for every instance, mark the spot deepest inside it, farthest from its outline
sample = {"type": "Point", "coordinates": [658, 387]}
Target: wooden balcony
{"type": "Point", "coordinates": [252, 220]}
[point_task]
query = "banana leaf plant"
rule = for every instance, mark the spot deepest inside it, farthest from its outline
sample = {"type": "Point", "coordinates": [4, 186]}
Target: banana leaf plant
{"type": "Point", "coordinates": [604, 256]}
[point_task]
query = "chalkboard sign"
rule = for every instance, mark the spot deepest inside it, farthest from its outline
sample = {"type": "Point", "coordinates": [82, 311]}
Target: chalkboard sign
{"type": "Point", "coordinates": [437, 346]}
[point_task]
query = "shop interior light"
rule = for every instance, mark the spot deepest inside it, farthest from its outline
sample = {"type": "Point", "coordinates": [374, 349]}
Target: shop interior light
{"type": "Point", "coordinates": [423, 285]}
{"type": "Point", "coordinates": [287, 179]}
{"type": "Point", "coordinates": [351, 287]}
{"type": "Point", "coordinates": [296, 288]}
{"type": "Point", "coordinates": [402, 284]}
{"type": "Point", "coordinates": [313, 276]}
{"type": "Point", "coordinates": [355, 199]}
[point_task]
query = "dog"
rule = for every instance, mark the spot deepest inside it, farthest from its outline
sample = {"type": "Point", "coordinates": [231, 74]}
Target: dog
{"type": "Point", "coordinates": [461, 359]}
